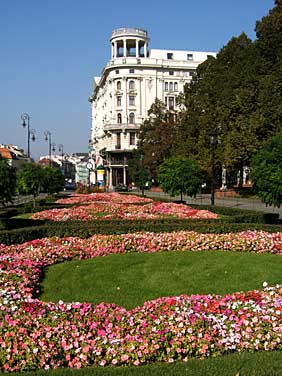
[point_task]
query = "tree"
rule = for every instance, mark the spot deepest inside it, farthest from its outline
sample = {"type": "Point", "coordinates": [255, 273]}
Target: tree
{"type": "Point", "coordinates": [269, 47]}
{"type": "Point", "coordinates": [156, 136]}
{"type": "Point", "coordinates": [138, 173]}
{"type": "Point", "coordinates": [266, 172]}
{"type": "Point", "coordinates": [269, 36]}
{"type": "Point", "coordinates": [53, 180]}
{"type": "Point", "coordinates": [7, 181]}
{"type": "Point", "coordinates": [31, 180]}
{"type": "Point", "coordinates": [178, 175]}
{"type": "Point", "coordinates": [222, 96]}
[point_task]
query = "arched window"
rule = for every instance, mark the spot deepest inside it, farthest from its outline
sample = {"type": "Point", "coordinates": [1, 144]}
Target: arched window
{"type": "Point", "coordinates": [166, 86]}
{"type": "Point", "coordinates": [175, 86]}
{"type": "Point", "coordinates": [171, 86]}
{"type": "Point", "coordinates": [131, 118]}
{"type": "Point", "coordinates": [118, 85]}
{"type": "Point", "coordinates": [131, 85]}
{"type": "Point", "coordinates": [119, 118]}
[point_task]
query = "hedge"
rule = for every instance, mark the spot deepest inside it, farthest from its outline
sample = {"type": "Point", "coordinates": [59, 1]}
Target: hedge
{"type": "Point", "coordinates": [236, 215]}
{"type": "Point", "coordinates": [87, 229]}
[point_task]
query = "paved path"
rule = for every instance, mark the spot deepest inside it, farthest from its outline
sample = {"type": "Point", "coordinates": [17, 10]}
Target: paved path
{"type": "Point", "coordinates": [20, 199]}
{"type": "Point", "coordinates": [233, 202]}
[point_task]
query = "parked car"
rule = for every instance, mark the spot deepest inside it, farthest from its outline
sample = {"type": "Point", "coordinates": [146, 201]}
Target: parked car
{"type": "Point", "coordinates": [70, 187]}
{"type": "Point", "coordinates": [121, 188]}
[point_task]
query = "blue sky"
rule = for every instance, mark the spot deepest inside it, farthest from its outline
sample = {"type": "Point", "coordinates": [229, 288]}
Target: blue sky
{"type": "Point", "coordinates": [51, 50]}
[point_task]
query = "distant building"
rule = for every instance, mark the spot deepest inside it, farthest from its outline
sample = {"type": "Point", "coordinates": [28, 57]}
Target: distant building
{"type": "Point", "coordinates": [129, 84]}
{"type": "Point", "coordinates": [73, 166]}
{"type": "Point", "coordinates": [15, 156]}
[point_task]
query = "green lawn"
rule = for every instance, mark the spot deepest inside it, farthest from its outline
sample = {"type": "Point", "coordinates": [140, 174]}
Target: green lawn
{"type": "Point", "coordinates": [246, 364]}
{"type": "Point", "coordinates": [130, 279]}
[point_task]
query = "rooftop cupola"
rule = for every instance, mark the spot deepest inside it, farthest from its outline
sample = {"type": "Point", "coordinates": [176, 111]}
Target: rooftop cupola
{"type": "Point", "coordinates": [129, 42]}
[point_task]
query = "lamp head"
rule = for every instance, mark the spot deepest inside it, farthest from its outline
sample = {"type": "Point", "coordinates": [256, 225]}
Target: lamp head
{"type": "Point", "coordinates": [213, 136]}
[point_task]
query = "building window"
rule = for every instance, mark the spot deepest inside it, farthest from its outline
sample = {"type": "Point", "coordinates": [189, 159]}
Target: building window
{"type": "Point", "coordinates": [171, 86]}
{"type": "Point", "coordinates": [117, 71]}
{"type": "Point", "coordinates": [119, 118]}
{"type": "Point", "coordinates": [166, 86]}
{"type": "Point", "coordinates": [131, 138]}
{"type": "Point", "coordinates": [131, 100]}
{"type": "Point", "coordinates": [191, 73]}
{"type": "Point", "coordinates": [131, 118]}
{"type": "Point", "coordinates": [169, 55]}
{"type": "Point", "coordinates": [118, 141]}
{"type": "Point", "coordinates": [131, 70]}
{"type": "Point", "coordinates": [131, 85]}
{"type": "Point", "coordinates": [119, 85]}
{"type": "Point", "coordinates": [175, 86]}
{"type": "Point", "coordinates": [171, 103]}
{"type": "Point", "coordinates": [189, 56]}
{"type": "Point", "coordinates": [171, 73]}
{"type": "Point", "coordinates": [118, 100]}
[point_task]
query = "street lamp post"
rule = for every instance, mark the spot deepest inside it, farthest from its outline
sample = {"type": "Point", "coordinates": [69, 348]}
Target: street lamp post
{"type": "Point", "coordinates": [213, 140]}
{"type": "Point", "coordinates": [61, 150]}
{"type": "Point", "coordinates": [142, 172]}
{"type": "Point", "coordinates": [89, 167]}
{"type": "Point", "coordinates": [52, 145]}
{"type": "Point", "coordinates": [30, 132]}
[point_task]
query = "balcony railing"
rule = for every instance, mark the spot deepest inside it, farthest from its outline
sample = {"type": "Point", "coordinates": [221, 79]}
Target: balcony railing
{"type": "Point", "coordinates": [121, 127]}
{"type": "Point", "coordinates": [129, 31]}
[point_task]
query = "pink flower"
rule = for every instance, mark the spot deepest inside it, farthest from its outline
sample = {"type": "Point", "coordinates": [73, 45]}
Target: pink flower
{"type": "Point", "coordinates": [124, 358]}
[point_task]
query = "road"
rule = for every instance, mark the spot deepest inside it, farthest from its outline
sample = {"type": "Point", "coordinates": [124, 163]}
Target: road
{"type": "Point", "coordinates": [232, 202]}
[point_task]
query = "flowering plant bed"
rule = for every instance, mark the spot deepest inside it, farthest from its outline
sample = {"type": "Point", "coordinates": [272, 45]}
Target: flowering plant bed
{"type": "Point", "coordinates": [112, 197]}
{"type": "Point", "coordinates": [34, 334]}
{"type": "Point", "coordinates": [114, 205]}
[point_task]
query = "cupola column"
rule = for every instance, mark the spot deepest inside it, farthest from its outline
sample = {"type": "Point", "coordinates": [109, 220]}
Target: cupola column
{"type": "Point", "coordinates": [124, 47]}
{"type": "Point", "coordinates": [145, 49]}
{"type": "Point", "coordinates": [137, 47]}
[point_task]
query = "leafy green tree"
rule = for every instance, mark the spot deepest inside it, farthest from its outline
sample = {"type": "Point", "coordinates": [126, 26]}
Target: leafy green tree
{"type": "Point", "coordinates": [156, 136]}
{"type": "Point", "coordinates": [138, 173]}
{"type": "Point", "coordinates": [269, 47]}
{"type": "Point", "coordinates": [179, 175]}
{"type": "Point", "coordinates": [7, 181]}
{"type": "Point", "coordinates": [266, 172]}
{"type": "Point", "coordinates": [31, 180]}
{"type": "Point", "coordinates": [53, 180]}
{"type": "Point", "coordinates": [269, 36]}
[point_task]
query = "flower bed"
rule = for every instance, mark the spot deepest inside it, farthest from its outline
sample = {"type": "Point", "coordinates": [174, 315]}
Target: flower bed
{"type": "Point", "coordinates": [112, 197]}
{"type": "Point", "coordinates": [34, 334]}
{"type": "Point", "coordinates": [117, 206]}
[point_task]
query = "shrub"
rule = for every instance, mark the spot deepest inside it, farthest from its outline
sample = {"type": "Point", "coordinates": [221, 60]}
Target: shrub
{"type": "Point", "coordinates": [87, 229]}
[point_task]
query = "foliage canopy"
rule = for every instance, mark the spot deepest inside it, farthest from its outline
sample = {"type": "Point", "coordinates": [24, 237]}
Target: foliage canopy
{"type": "Point", "coordinates": [266, 172]}
{"type": "Point", "coordinates": [7, 181]}
{"type": "Point", "coordinates": [34, 179]}
{"type": "Point", "coordinates": [179, 175]}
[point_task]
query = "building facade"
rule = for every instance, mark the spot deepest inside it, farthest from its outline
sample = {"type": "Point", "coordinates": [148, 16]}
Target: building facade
{"type": "Point", "coordinates": [16, 157]}
{"type": "Point", "coordinates": [129, 84]}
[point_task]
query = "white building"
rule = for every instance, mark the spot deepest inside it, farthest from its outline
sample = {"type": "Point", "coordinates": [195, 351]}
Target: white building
{"type": "Point", "coordinates": [131, 81]}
